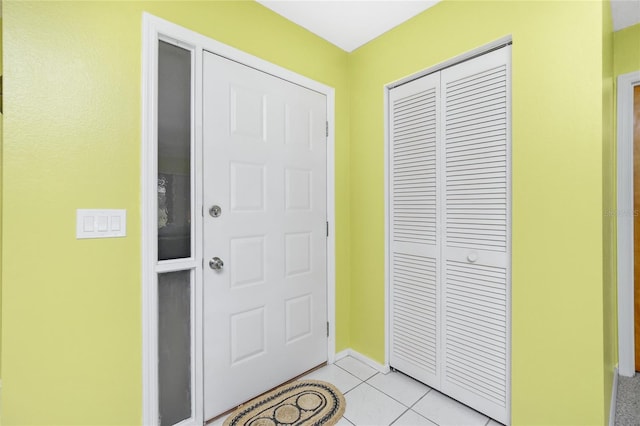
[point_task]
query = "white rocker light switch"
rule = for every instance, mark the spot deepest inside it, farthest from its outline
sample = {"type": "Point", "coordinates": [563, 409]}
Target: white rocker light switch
{"type": "Point", "coordinates": [101, 223]}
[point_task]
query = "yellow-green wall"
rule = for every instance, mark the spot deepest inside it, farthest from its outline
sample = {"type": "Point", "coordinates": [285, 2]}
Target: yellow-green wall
{"type": "Point", "coordinates": [1, 119]}
{"type": "Point", "coordinates": [626, 44]}
{"type": "Point", "coordinates": [72, 308]}
{"type": "Point", "coordinates": [71, 330]}
{"type": "Point", "coordinates": [557, 276]}
{"type": "Point", "coordinates": [609, 294]}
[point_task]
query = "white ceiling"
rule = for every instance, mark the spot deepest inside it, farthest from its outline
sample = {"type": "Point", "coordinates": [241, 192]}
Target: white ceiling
{"type": "Point", "coordinates": [348, 23]}
{"type": "Point", "coordinates": [625, 14]}
{"type": "Point", "coordinates": [351, 23]}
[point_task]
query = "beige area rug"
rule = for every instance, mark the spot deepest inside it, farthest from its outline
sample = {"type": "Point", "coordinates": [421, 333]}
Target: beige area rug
{"type": "Point", "coordinates": [299, 403]}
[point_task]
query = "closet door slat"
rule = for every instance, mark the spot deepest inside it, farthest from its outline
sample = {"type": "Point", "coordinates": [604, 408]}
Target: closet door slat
{"type": "Point", "coordinates": [414, 231]}
{"type": "Point", "coordinates": [475, 294]}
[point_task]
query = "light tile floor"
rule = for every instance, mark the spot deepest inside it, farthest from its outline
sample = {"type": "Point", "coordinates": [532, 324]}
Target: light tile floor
{"type": "Point", "coordinates": [376, 399]}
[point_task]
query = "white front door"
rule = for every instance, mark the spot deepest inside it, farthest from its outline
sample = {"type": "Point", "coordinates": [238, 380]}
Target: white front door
{"type": "Point", "coordinates": [264, 166]}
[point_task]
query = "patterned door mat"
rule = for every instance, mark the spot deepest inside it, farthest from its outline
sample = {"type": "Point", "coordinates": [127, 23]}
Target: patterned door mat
{"type": "Point", "coordinates": [299, 403]}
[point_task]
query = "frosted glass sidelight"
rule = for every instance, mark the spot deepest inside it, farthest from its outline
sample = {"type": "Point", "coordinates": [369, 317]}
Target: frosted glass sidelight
{"type": "Point", "coordinates": [174, 152]}
{"type": "Point", "coordinates": [174, 347]}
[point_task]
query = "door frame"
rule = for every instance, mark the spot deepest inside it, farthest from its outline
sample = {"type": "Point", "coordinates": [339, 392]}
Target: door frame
{"type": "Point", "coordinates": [624, 215]}
{"type": "Point", "coordinates": [156, 29]}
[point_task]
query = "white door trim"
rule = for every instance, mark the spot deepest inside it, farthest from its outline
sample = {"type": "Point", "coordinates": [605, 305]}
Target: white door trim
{"type": "Point", "coordinates": [625, 214]}
{"type": "Point", "coordinates": [155, 29]}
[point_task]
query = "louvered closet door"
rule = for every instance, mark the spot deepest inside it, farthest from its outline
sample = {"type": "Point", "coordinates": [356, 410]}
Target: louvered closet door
{"type": "Point", "coordinates": [415, 239]}
{"type": "Point", "coordinates": [476, 237]}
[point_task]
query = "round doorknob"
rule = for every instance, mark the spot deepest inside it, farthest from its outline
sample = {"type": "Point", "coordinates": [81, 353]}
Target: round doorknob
{"type": "Point", "coordinates": [216, 264]}
{"type": "Point", "coordinates": [472, 257]}
{"type": "Point", "coordinates": [215, 211]}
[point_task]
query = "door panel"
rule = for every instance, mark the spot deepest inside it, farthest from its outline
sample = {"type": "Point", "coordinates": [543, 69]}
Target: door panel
{"type": "Point", "coordinates": [265, 167]}
{"type": "Point", "coordinates": [475, 295]}
{"type": "Point", "coordinates": [415, 234]}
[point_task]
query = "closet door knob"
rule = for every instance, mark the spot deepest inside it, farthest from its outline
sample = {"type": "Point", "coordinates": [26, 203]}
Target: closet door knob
{"type": "Point", "coordinates": [472, 257]}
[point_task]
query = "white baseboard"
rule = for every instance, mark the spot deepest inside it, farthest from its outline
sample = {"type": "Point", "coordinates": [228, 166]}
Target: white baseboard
{"type": "Point", "coordinates": [614, 398]}
{"type": "Point", "coordinates": [365, 359]}
{"type": "Point", "coordinates": [342, 354]}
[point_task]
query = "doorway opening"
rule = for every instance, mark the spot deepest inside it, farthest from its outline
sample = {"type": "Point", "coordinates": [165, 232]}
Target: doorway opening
{"type": "Point", "coordinates": [625, 225]}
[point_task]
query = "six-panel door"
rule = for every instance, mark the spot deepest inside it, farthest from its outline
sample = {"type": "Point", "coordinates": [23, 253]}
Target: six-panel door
{"type": "Point", "coordinates": [265, 308]}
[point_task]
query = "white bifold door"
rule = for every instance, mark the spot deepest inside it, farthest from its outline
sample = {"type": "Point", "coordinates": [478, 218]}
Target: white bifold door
{"type": "Point", "coordinates": [264, 162]}
{"type": "Point", "coordinates": [450, 195]}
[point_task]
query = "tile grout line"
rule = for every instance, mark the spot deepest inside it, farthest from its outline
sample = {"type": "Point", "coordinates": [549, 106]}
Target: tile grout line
{"type": "Point", "coordinates": [401, 414]}
{"type": "Point", "coordinates": [350, 373]}
{"type": "Point", "coordinates": [408, 408]}
{"type": "Point", "coordinates": [420, 414]}
{"type": "Point", "coordinates": [347, 420]}
{"type": "Point", "coordinates": [352, 388]}
{"type": "Point", "coordinates": [489, 419]}
{"type": "Point", "coordinates": [382, 392]}
{"type": "Point", "coordinates": [344, 369]}
{"type": "Point", "coordinates": [400, 402]}
{"type": "Point", "coordinates": [379, 390]}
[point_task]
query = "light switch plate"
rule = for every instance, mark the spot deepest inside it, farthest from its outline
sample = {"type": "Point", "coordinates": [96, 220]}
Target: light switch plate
{"type": "Point", "coordinates": [91, 223]}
